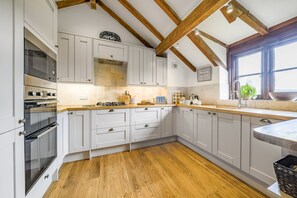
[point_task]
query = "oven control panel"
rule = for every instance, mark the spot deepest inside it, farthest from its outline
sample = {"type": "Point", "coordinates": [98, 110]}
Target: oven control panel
{"type": "Point", "coordinates": [39, 93]}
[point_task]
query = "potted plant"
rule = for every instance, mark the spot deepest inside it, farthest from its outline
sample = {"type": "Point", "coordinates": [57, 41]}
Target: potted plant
{"type": "Point", "coordinates": [248, 92]}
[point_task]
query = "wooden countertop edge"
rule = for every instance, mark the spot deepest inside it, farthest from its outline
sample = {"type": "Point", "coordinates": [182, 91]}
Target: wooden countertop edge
{"type": "Point", "coordinates": [272, 114]}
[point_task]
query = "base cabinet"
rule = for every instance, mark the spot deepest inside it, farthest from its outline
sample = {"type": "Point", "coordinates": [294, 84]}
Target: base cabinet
{"type": "Point", "coordinates": [258, 156]}
{"type": "Point", "coordinates": [227, 137]}
{"type": "Point", "coordinates": [79, 131]}
{"type": "Point", "coordinates": [62, 137]}
{"type": "Point", "coordinates": [143, 132]}
{"type": "Point", "coordinates": [187, 118]}
{"type": "Point", "coordinates": [203, 122]}
{"type": "Point", "coordinates": [166, 121]}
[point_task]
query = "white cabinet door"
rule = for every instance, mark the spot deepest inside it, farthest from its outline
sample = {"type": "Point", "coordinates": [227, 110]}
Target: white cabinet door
{"type": "Point", "coordinates": [166, 121]}
{"type": "Point", "coordinates": [187, 132]}
{"type": "Point", "coordinates": [79, 131]}
{"type": "Point", "coordinates": [110, 118]}
{"type": "Point", "coordinates": [41, 20]}
{"type": "Point", "coordinates": [227, 138]}
{"type": "Point", "coordinates": [149, 67]}
{"type": "Point", "coordinates": [135, 66]}
{"type": "Point", "coordinates": [177, 121]}
{"type": "Point", "coordinates": [110, 50]}
{"type": "Point", "coordinates": [62, 137]}
{"type": "Point", "coordinates": [11, 65]}
{"type": "Point", "coordinates": [143, 132]}
{"type": "Point", "coordinates": [12, 181]}
{"type": "Point", "coordinates": [203, 130]}
{"type": "Point", "coordinates": [161, 71]}
{"type": "Point", "coordinates": [113, 136]}
{"type": "Point", "coordinates": [66, 58]}
{"type": "Point", "coordinates": [145, 115]}
{"type": "Point", "coordinates": [83, 59]}
{"type": "Point", "coordinates": [258, 156]}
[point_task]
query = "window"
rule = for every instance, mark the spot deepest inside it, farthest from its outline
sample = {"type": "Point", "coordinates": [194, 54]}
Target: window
{"type": "Point", "coordinates": [268, 68]}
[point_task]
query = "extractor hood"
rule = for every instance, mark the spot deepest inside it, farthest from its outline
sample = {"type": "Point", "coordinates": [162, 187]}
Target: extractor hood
{"type": "Point", "coordinates": [108, 61]}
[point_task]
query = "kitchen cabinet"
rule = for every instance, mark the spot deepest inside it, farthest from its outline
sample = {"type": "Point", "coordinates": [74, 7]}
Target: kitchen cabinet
{"type": "Point", "coordinates": [110, 50]}
{"type": "Point", "coordinates": [112, 136]}
{"type": "Point", "coordinates": [177, 121]}
{"type": "Point", "coordinates": [145, 115]}
{"type": "Point", "coordinates": [79, 131]}
{"type": "Point", "coordinates": [12, 181]}
{"type": "Point", "coordinates": [75, 60]}
{"type": "Point", "coordinates": [166, 121]}
{"type": "Point", "coordinates": [41, 19]}
{"type": "Point", "coordinates": [66, 58]}
{"type": "Point", "coordinates": [110, 118]}
{"type": "Point", "coordinates": [161, 71]}
{"type": "Point", "coordinates": [258, 156]}
{"type": "Point", "coordinates": [144, 132]}
{"type": "Point", "coordinates": [149, 67]}
{"type": "Point", "coordinates": [62, 137]}
{"type": "Point", "coordinates": [227, 137]}
{"type": "Point", "coordinates": [83, 59]}
{"type": "Point", "coordinates": [187, 132]}
{"type": "Point", "coordinates": [12, 65]}
{"type": "Point", "coordinates": [203, 126]}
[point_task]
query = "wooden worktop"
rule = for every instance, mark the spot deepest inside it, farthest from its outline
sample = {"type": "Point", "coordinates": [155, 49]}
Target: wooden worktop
{"type": "Point", "coordinates": [271, 114]}
{"type": "Point", "coordinates": [283, 134]}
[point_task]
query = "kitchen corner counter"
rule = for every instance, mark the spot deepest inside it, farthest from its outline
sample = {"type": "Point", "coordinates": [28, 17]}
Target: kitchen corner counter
{"type": "Point", "coordinates": [63, 108]}
{"type": "Point", "coordinates": [283, 134]}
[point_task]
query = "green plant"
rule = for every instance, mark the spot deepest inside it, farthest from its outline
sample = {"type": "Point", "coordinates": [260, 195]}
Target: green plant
{"type": "Point", "coordinates": [248, 91]}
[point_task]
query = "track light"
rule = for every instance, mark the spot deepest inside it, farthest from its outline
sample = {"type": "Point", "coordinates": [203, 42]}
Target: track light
{"type": "Point", "coordinates": [230, 8]}
{"type": "Point", "coordinates": [197, 32]}
{"type": "Point", "coordinates": [176, 46]}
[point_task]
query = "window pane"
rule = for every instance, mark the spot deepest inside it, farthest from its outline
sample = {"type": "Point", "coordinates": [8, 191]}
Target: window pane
{"type": "Point", "coordinates": [286, 81]}
{"type": "Point", "coordinates": [286, 56]}
{"type": "Point", "coordinates": [252, 80]}
{"type": "Point", "coordinates": [249, 64]}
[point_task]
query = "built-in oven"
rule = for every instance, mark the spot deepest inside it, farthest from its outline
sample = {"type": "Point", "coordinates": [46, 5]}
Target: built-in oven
{"type": "Point", "coordinates": [40, 61]}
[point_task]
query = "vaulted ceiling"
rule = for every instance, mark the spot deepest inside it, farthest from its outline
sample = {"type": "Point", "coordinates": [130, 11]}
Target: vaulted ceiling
{"type": "Point", "coordinates": [150, 20]}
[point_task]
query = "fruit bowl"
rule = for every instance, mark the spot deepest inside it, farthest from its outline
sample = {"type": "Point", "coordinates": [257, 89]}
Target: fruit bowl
{"type": "Point", "coordinates": [283, 96]}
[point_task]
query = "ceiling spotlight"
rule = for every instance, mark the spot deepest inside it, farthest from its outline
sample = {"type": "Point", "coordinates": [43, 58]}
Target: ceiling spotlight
{"type": "Point", "coordinates": [176, 46]}
{"type": "Point", "coordinates": [197, 32]}
{"type": "Point", "coordinates": [230, 8]}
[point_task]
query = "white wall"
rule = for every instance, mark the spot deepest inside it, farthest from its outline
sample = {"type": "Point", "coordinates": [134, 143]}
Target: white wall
{"type": "Point", "coordinates": [84, 21]}
{"type": "Point", "coordinates": [177, 77]}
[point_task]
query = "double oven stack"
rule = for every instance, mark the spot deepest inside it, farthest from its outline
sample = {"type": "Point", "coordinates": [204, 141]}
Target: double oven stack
{"type": "Point", "coordinates": [40, 107]}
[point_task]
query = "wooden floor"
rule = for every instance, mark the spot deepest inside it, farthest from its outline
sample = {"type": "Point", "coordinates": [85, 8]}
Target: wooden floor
{"type": "Point", "coordinates": [169, 170]}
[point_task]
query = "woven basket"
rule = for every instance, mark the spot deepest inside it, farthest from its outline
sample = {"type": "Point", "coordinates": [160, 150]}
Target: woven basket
{"type": "Point", "coordinates": [286, 176]}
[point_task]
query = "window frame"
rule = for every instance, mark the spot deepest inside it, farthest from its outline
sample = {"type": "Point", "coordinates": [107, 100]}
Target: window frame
{"type": "Point", "coordinates": [265, 45]}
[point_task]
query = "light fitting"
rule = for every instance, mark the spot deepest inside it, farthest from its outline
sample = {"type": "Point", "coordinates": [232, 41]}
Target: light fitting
{"type": "Point", "coordinates": [230, 8]}
{"type": "Point", "coordinates": [176, 45]}
{"type": "Point", "coordinates": [197, 32]}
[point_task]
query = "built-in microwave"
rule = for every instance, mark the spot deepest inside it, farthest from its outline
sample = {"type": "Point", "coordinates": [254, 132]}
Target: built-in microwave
{"type": "Point", "coordinates": [40, 61]}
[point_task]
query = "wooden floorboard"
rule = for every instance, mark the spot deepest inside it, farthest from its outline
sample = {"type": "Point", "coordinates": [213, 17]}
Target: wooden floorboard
{"type": "Point", "coordinates": [168, 170]}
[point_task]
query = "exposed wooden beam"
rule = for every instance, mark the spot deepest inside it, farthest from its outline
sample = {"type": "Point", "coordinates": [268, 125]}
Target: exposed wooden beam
{"type": "Point", "coordinates": [143, 20]}
{"type": "Point", "coordinates": [150, 27]}
{"type": "Point", "coordinates": [230, 17]}
{"type": "Point", "coordinates": [206, 50]}
{"type": "Point", "coordinates": [208, 36]}
{"type": "Point", "coordinates": [199, 14]}
{"type": "Point", "coordinates": [123, 23]}
{"type": "Point", "coordinates": [249, 19]}
{"type": "Point", "coordinates": [93, 4]}
{"type": "Point", "coordinates": [68, 3]}
{"type": "Point", "coordinates": [197, 40]}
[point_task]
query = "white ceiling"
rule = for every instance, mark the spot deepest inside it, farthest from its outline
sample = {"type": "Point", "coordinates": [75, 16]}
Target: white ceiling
{"type": "Point", "coordinates": [270, 12]}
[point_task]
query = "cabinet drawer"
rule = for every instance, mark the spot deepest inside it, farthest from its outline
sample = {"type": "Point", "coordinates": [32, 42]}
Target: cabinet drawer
{"type": "Point", "coordinates": [142, 132]}
{"type": "Point", "coordinates": [110, 118]}
{"type": "Point", "coordinates": [107, 137]}
{"type": "Point", "coordinates": [263, 121]}
{"type": "Point", "coordinates": [145, 115]}
{"type": "Point", "coordinates": [111, 51]}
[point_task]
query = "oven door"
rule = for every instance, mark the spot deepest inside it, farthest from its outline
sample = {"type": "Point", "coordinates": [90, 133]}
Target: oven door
{"type": "Point", "coordinates": [40, 152]}
{"type": "Point", "coordinates": [39, 114]}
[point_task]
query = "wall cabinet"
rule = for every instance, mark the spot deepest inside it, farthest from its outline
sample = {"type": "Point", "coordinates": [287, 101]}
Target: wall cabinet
{"type": "Point", "coordinates": [203, 125]}
{"type": "Point", "coordinates": [66, 58]}
{"type": "Point", "coordinates": [12, 181]}
{"type": "Point", "coordinates": [79, 131]}
{"type": "Point", "coordinates": [166, 121]}
{"type": "Point", "coordinates": [227, 137]}
{"type": "Point", "coordinates": [187, 132]}
{"type": "Point", "coordinates": [110, 50]}
{"type": "Point", "coordinates": [75, 61]}
{"type": "Point", "coordinates": [12, 65]}
{"type": "Point", "coordinates": [41, 19]}
{"type": "Point", "coordinates": [149, 67]}
{"type": "Point", "coordinates": [258, 156]}
{"type": "Point", "coordinates": [161, 71]}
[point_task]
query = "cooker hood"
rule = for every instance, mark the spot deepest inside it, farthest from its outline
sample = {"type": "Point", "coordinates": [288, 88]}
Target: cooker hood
{"type": "Point", "coordinates": [109, 61]}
